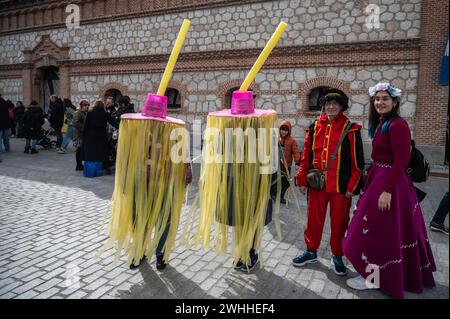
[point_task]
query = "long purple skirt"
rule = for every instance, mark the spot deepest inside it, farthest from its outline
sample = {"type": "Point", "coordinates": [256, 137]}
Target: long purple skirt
{"type": "Point", "coordinates": [393, 243]}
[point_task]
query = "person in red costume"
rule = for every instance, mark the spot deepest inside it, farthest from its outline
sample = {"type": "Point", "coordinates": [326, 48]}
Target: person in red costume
{"type": "Point", "coordinates": [343, 179]}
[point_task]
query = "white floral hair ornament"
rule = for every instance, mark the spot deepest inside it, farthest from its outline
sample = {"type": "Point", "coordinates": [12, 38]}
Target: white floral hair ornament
{"type": "Point", "coordinates": [386, 86]}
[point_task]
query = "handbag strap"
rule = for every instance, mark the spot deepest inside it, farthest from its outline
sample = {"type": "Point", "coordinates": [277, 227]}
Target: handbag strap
{"type": "Point", "coordinates": [344, 134]}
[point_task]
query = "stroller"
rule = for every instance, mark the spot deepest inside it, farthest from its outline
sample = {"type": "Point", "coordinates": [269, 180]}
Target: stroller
{"type": "Point", "coordinates": [46, 140]}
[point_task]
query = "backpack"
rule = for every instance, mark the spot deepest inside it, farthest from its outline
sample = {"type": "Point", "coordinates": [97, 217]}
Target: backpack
{"type": "Point", "coordinates": [418, 167]}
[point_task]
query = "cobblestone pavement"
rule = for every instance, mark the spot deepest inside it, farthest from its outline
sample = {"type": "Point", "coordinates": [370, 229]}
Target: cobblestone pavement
{"type": "Point", "coordinates": [50, 222]}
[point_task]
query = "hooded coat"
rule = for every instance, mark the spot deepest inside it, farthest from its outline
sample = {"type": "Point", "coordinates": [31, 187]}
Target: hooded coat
{"type": "Point", "coordinates": [291, 151]}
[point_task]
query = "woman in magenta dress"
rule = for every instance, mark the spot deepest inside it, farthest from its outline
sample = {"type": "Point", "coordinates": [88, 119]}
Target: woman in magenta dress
{"type": "Point", "coordinates": [386, 240]}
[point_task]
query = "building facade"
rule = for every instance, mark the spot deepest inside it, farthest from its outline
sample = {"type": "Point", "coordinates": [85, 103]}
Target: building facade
{"type": "Point", "coordinates": [121, 48]}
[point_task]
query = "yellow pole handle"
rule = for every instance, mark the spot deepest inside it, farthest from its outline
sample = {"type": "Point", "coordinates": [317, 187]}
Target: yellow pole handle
{"type": "Point", "coordinates": [263, 56]}
{"type": "Point", "coordinates": [173, 57]}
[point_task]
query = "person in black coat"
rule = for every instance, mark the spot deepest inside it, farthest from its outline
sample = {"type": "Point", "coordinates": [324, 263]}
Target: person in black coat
{"type": "Point", "coordinates": [19, 112]}
{"type": "Point", "coordinates": [5, 125]}
{"type": "Point", "coordinates": [33, 119]}
{"type": "Point", "coordinates": [95, 142]}
{"type": "Point", "coordinates": [56, 112]}
{"type": "Point", "coordinates": [11, 117]}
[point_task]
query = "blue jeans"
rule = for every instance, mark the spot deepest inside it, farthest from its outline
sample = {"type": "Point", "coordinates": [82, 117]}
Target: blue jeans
{"type": "Point", "coordinates": [442, 210]}
{"type": "Point", "coordinates": [4, 139]}
{"type": "Point", "coordinates": [33, 143]}
{"type": "Point", "coordinates": [68, 137]}
{"type": "Point", "coordinates": [162, 241]}
{"type": "Point", "coordinates": [18, 128]}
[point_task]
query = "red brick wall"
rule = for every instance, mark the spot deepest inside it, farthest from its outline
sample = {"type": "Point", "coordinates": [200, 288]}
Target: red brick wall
{"type": "Point", "coordinates": [432, 104]}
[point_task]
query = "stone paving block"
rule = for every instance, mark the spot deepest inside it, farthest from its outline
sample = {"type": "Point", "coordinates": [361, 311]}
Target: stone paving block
{"type": "Point", "coordinates": [8, 295]}
{"type": "Point", "coordinates": [10, 287]}
{"type": "Point", "coordinates": [78, 295]}
{"type": "Point", "coordinates": [24, 288]}
{"type": "Point", "coordinates": [54, 273]}
{"type": "Point", "coordinates": [100, 292]}
{"type": "Point", "coordinates": [48, 284]}
{"type": "Point", "coordinates": [47, 294]}
{"type": "Point", "coordinates": [47, 239]}
{"type": "Point", "coordinates": [27, 295]}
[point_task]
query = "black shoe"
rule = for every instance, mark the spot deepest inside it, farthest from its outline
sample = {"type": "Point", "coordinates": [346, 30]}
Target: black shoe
{"type": "Point", "coordinates": [254, 261]}
{"type": "Point", "coordinates": [27, 150]}
{"type": "Point", "coordinates": [282, 201]}
{"type": "Point", "coordinates": [108, 171]}
{"type": "Point", "coordinates": [308, 257]}
{"type": "Point", "coordinates": [439, 227]}
{"type": "Point", "coordinates": [338, 266]}
{"type": "Point", "coordinates": [160, 263]}
{"type": "Point", "coordinates": [133, 266]}
{"type": "Point", "coordinates": [79, 168]}
{"type": "Point", "coordinates": [238, 265]}
{"type": "Point", "coordinates": [34, 151]}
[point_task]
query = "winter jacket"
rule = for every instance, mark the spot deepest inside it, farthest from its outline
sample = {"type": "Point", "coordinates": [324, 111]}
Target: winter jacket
{"type": "Point", "coordinates": [345, 173]}
{"type": "Point", "coordinates": [5, 121]}
{"type": "Point", "coordinates": [56, 111]}
{"type": "Point", "coordinates": [33, 119]}
{"type": "Point", "coordinates": [291, 151]}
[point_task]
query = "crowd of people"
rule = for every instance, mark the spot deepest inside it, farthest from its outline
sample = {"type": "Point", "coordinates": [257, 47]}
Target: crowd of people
{"type": "Point", "coordinates": [387, 229]}
{"type": "Point", "coordinates": [92, 130]}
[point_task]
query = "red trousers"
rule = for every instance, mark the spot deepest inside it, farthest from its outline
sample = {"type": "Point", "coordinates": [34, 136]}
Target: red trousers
{"type": "Point", "coordinates": [317, 210]}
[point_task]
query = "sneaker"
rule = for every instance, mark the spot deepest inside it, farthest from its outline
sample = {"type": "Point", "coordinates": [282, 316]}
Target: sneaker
{"type": "Point", "coordinates": [160, 263]}
{"type": "Point", "coordinates": [238, 265]}
{"type": "Point", "coordinates": [308, 257]}
{"type": "Point", "coordinates": [359, 283]}
{"type": "Point", "coordinates": [133, 266]}
{"type": "Point", "coordinates": [61, 151]}
{"type": "Point", "coordinates": [254, 260]}
{"type": "Point", "coordinates": [27, 150]}
{"type": "Point", "coordinates": [338, 265]}
{"type": "Point", "coordinates": [439, 227]}
{"type": "Point", "coordinates": [34, 151]}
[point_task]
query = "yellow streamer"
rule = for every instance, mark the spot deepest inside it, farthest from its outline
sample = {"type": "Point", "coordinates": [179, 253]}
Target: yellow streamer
{"type": "Point", "coordinates": [224, 183]}
{"type": "Point", "coordinates": [147, 198]}
{"type": "Point", "coordinates": [173, 57]}
{"type": "Point", "coordinates": [263, 56]}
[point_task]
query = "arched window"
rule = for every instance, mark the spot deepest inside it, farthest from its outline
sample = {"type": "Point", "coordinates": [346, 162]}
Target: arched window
{"type": "Point", "coordinates": [229, 94]}
{"type": "Point", "coordinates": [173, 99]}
{"type": "Point", "coordinates": [314, 98]}
{"type": "Point", "coordinates": [115, 94]}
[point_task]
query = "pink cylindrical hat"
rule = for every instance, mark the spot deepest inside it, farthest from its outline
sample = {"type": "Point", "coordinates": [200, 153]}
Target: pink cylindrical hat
{"type": "Point", "coordinates": [155, 106]}
{"type": "Point", "coordinates": [242, 103]}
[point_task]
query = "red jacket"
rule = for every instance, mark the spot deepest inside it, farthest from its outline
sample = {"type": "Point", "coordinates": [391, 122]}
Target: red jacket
{"type": "Point", "coordinates": [291, 150]}
{"type": "Point", "coordinates": [345, 173]}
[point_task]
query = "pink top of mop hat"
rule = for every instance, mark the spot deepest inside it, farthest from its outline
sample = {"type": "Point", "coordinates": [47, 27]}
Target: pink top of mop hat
{"type": "Point", "coordinates": [155, 108]}
{"type": "Point", "coordinates": [242, 105]}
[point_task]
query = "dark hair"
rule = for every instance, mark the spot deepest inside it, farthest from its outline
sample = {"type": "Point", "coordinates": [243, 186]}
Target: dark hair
{"type": "Point", "coordinates": [34, 103]}
{"type": "Point", "coordinates": [374, 117]}
{"type": "Point", "coordinates": [21, 103]}
{"type": "Point", "coordinates": [68, 103]}
{"type": "Point", "coordinates": [99, 104]}
{"type": "Point", "coordinates": [124, 99]}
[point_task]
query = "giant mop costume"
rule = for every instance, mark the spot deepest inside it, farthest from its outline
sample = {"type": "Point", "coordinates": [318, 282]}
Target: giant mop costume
{"type": "Point", "coordinates": [149, 186]}
{"type": "Point", "coordinates": [233, 192]}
